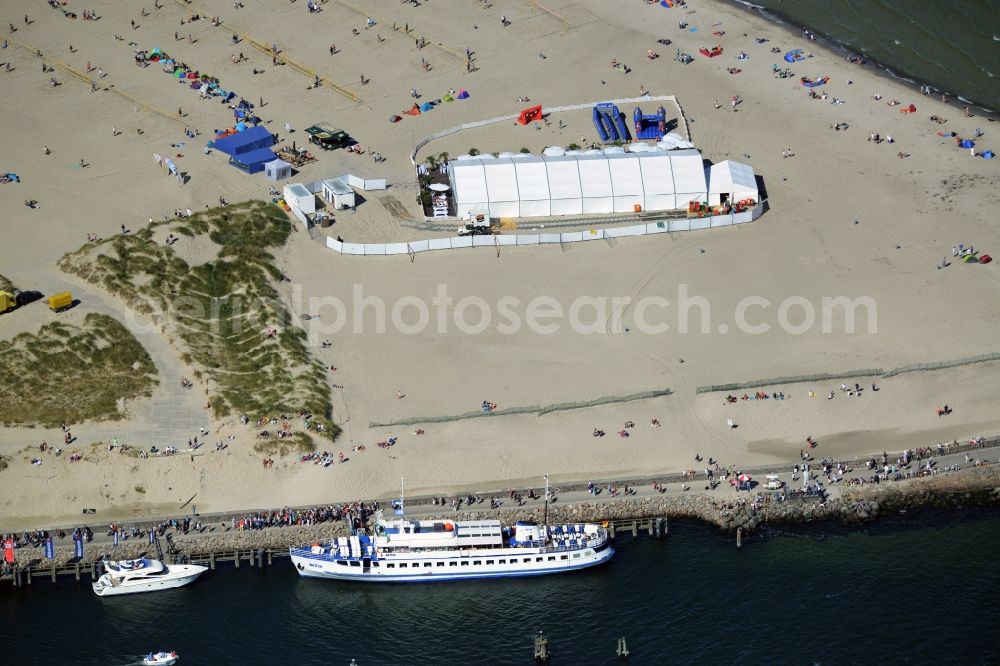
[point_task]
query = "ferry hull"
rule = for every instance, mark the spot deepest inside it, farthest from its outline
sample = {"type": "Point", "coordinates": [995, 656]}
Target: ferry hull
{"type": "Point", "coordinates": [311, 567]}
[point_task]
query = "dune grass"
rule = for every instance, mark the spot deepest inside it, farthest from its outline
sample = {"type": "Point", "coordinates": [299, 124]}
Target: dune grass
{"type": "Point", "coordinates": [218, 310]}
{"type": "Point", "coordinates": [299, 443]}
{"type": "Point", "coordinates": [6, 285]}
{"type": "Point", "coordinates": [70, 374]}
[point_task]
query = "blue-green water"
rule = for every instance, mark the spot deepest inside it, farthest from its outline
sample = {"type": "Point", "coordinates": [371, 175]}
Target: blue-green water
{"type": "Point", "coordinates": [903, 591]}
{"type": "Point", "coordinates": [953, 46]}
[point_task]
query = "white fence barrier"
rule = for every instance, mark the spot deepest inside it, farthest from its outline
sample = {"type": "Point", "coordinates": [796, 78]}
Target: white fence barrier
{"type": "Point", "coordinates": [549, 110]}
{"type": "Point", "coordinates": [664, 226]}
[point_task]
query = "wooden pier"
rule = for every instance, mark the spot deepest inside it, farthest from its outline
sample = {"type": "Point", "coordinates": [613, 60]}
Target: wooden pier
{"type": "Point", "coordinates": [656, 528]}
{"type": "Point", "coordinates": [255, 558]}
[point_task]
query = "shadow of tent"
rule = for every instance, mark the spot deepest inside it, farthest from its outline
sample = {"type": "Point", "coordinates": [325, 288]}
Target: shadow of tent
{"type": "Point", "coordinates": [762, 190]}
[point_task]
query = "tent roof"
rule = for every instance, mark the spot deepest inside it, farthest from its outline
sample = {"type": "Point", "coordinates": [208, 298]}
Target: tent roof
{"type": "Point", "coordinates": [245, 141]}
{"type": "Point", "coordinates": [626, 175]}
{"type": "Point", "coordinates": [469, 181]}
{"type": "Point", "coordinates": [656, 173]}
{"type": "Point", "coordinates": [277, 164]}
{"type": "Point", "coordinates": [689, 174]}
{"type": "Point", "coordinates": [258, 156]}
{"type": "Point", "coordinates": [482, 181]}
{"type": "Point", "coordinates": [532, 178]}
{"type": "Point", "coordinates": [728, 177]}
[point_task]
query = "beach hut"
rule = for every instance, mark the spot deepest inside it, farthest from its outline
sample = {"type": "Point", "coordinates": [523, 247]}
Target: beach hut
{"type": "Point", "coordinates": [337, 192]}
{"type": "Point", "coordinates": [277, 170]}
{"type": "Point", "coordinates": [298, 197]}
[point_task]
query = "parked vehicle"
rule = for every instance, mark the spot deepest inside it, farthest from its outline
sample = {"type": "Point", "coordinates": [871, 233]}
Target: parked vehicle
{"type": "Point", "coordinates": [61, 301]}
{"type": "Point", "coordinates": [327, 136]}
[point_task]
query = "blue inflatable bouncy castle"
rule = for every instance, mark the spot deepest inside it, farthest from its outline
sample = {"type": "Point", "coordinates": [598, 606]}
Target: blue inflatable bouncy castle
{"type": "Point", "coordinates": [609, 124]}
{"type": "Point", "coordinates": [650, 127]}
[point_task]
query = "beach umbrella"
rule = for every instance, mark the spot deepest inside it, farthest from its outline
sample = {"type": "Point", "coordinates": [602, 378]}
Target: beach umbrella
{"type": "Point", "coordinates": [743, 478]}
{"type": "Point", "coordinates": [439, 187]}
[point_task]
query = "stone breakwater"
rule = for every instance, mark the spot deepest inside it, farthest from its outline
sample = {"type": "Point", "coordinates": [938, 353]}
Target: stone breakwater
{"type": "Point", "coordinates": [973, 487]}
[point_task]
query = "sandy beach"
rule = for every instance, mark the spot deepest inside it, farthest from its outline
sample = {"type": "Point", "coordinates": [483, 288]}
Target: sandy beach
{"type": "Point", "coordinates": [848, 218]}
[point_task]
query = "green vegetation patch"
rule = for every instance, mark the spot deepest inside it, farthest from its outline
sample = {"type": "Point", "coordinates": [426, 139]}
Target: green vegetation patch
{"type": "Point", "coordinates": [6, 285]}
{"type": "Point", "coordinates": [225, 312]}
{"type": "Point", "coordinates": [69, 374]}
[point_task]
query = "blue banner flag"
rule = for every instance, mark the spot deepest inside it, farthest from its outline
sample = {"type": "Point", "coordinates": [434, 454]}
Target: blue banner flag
{"type": "Point", "coordinates": [50, 549]}
{"type": "Point", "coordinates": [152, 537]}
{"type": "Point", "coordinates": [116, 537]}
{"type": "Point", "coordinates": [79, 548]}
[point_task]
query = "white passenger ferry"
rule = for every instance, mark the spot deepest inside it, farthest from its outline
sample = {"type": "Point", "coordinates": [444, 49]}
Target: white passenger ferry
{"type": "Point", "coordinates": [438, 550]}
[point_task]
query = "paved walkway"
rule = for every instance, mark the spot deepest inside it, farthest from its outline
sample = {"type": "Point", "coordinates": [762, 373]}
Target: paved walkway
{"type": "Point", "coordinates": [421, 507]}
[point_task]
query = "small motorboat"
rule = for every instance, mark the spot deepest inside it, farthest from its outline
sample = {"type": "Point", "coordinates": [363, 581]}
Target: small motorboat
{"type": "Point", "coordinates": [160, 659]}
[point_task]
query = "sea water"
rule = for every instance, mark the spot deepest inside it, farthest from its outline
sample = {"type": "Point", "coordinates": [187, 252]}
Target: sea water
{"type": "Point", "coordinates": [953, 46]}
{"type": "Point", "coordinates": [914, 590]}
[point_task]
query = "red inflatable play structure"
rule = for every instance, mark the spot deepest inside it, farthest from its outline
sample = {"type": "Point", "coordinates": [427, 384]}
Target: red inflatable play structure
{"type": "Point", "coordinates": [530, 115]}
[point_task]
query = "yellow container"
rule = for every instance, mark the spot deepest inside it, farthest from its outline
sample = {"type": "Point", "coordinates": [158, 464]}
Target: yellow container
{"type": "Point", "coordinates": [60, 301]}
{"type": "Point", "coordinates": [7, 301]}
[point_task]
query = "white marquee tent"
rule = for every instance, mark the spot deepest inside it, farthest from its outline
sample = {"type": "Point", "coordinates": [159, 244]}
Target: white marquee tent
{"type": "Point", "coordinates": [575, 184]}
{"type": "Point", "coordinates": [731, 181]}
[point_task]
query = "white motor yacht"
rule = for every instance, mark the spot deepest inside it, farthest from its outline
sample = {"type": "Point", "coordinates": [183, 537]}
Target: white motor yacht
{"type": "Point", "coordinates": [160, 659]}
{"type": "Point", "coordinates": [144, 575]}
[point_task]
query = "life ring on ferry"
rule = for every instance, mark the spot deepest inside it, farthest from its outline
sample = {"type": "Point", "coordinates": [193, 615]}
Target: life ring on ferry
{"type": "Point", "coordinates": [449, 527]}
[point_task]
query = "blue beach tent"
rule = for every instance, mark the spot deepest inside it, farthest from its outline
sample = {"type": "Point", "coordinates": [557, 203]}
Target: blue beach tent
{"type": "Point", "coordinates": [253, 161]}
{"type": "Point", "coordinates": [253, 138]}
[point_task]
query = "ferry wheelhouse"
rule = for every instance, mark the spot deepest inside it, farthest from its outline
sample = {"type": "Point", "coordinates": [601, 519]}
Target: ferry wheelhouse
{"type": "Point", "coordinates": [440, 550]}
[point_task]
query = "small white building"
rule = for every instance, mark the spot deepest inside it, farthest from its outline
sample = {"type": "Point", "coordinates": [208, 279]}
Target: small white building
{"type": "Point", "coordinates": [298, 197]}
{"type": "Point", "coordinates": [338, 193]}
{"type": "Point", "coordinates": [729, 182]}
